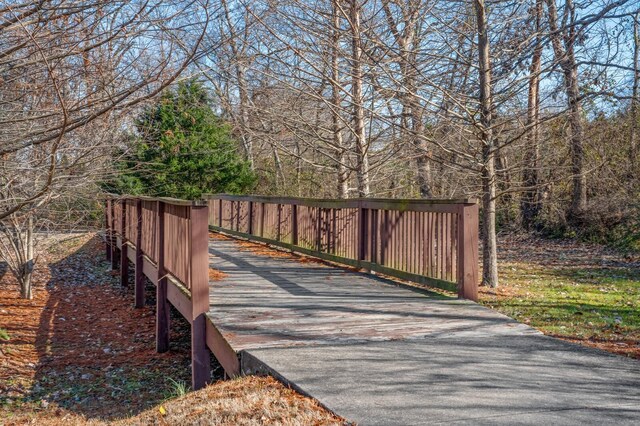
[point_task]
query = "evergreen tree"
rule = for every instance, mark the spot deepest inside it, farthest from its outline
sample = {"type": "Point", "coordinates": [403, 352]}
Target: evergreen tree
{"type": "Point", "coordinates": [183, 149]}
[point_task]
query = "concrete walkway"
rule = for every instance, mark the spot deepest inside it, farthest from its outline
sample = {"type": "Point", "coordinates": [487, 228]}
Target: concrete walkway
{"type": "Point", "coordinates": [375, 352]}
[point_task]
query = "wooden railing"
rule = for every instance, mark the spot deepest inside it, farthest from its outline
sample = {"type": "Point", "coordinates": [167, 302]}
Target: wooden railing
{"type": "Point", "coordinates": [167, 241]}
{"type": "Point", "coordinates": [433, 242]}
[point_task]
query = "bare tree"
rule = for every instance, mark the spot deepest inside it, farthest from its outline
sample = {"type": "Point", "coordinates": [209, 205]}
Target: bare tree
{"type": "Point", "coordinates": [336, 102]}
{"type": "Point", "coordinates": [530, 202]}
{"type": "Point", "coordinates": [406, 36]}
{"type": "Point", "coordinates": [357, 99]}
{"type": "Point", "coordinates": [635, 96]}
{"type": "Point", "coordinates": [72, 73]}
{"type": "Point", "coordinates": [563, 40]}
{"type": "Point", "coordinates": [490, 259]}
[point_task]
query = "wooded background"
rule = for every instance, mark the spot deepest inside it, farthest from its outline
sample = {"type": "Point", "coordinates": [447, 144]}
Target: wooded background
{"type": "Point", "coordinates": [531, 105]}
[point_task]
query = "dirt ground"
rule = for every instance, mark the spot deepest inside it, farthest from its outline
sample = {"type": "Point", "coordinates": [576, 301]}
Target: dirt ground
{"type": "Point", "coordinates": [79, 353]}
{"type": "Point", "coordinates": [583, 293]}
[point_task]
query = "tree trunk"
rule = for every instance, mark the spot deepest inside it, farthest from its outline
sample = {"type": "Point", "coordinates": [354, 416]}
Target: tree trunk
{"type": "Point", "coordinates": [247, 142]}
{"type": "Point", "coordinates": [635, 100]}
{"type": "Point", "coordinates": [489, 255]}
{"type": "Point", "coordinates": [566, 59]}
{"type": "Point", "coordinates": [530, 203]}
{"type": "Point", "coordinates": [362, 160]}
{"type": "Point", "coordinates": [408, 44]}
{"type": "Point", "coordinates": [240, 71]}
{"type": "Point", "coordinates": [336, 127]}
{"type": "Point", "coordinates": [26, 290]}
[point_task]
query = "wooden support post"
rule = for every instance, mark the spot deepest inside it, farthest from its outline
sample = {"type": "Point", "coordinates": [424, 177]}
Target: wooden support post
{"type": "Point", "coordinates": [200, 357]}
{"type": "Point", "coordinates": [468, 252]}
{"type": "Point", "coordinates": [107, 229]}
{"type": "Point", "coordinates": [139, 274]}
{"type": "Point", "coordinates": [250, 219]}
{"type": "Point", "coordinates": [162, 305]}
{"type": "Point", "coordinates": [124, 261]}
{"type": "Point", "coordinates": [114, 238]}
{"type": "Point", "coordinates": [220, 213]}
{"type": "Point", "coordinates": [294, 224]}
{"type": "Point", "coordinates": [199, 273]}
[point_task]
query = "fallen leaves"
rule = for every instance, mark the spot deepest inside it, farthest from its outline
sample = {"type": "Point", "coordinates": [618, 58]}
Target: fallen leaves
{"type": "Point", "coordinates": [80, 345]}
{"type": "Point", "coordinates": [579, 292]}
{"type": "Point", "coordinates": [80, 354]}
{"type": "Point", "coordinates": [216, 275]}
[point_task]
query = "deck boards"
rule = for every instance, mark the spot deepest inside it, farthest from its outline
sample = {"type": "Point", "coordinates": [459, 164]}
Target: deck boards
{"type": "Point", "coordinates": [276, 302]}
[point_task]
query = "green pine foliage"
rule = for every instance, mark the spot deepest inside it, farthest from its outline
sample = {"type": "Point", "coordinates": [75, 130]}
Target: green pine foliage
{"type": "Point", "coordinates": [182, 149]}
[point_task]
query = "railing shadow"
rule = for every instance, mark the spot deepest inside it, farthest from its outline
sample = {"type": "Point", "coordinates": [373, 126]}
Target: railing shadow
{"type": "Point", "coordinates": [96, 352]}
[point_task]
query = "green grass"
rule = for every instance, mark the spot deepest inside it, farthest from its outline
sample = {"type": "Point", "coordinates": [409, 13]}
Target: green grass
{"type": "Point", "coordinates": [582, 303]}
{"type": "Point", "coordinates": [177, 388]}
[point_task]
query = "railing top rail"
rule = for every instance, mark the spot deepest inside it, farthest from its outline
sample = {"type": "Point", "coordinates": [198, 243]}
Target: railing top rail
{"type": "Point", "coordinates": [391, 203]}
{"type": "Point", "coordinates": [167, 200]}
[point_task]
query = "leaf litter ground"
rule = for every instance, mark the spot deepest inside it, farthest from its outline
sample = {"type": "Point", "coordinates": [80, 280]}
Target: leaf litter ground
{"type": "Point", "coordinates": [583, 293]}
{"type": "Point", "coordinates": [79, 352]}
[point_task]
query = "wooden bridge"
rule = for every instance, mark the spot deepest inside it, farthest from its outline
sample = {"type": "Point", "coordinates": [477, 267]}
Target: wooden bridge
{"type": "Point", "coordinates": [372, 349]}
{"type": "Point", "coordinates": [431, 242]}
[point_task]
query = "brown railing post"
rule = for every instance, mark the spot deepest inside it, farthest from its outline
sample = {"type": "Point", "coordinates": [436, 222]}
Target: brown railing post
{"type": "Point", "coordinates": [199, 273]}
{"type": "Point", "coordinates": [139, 274]}
{"type": "Point", "coordinates": [107, 227]}
{"type": "Point", "coordinates": [162, 306]}
{"type": "Point", "coordinates": [114, 237]}
{"type": "Point", "coordinates": [468, 252]}
{"type": "Point", "coordinates": [124, 261]}
{"type": "Point", "coordinates": [220, 213]}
